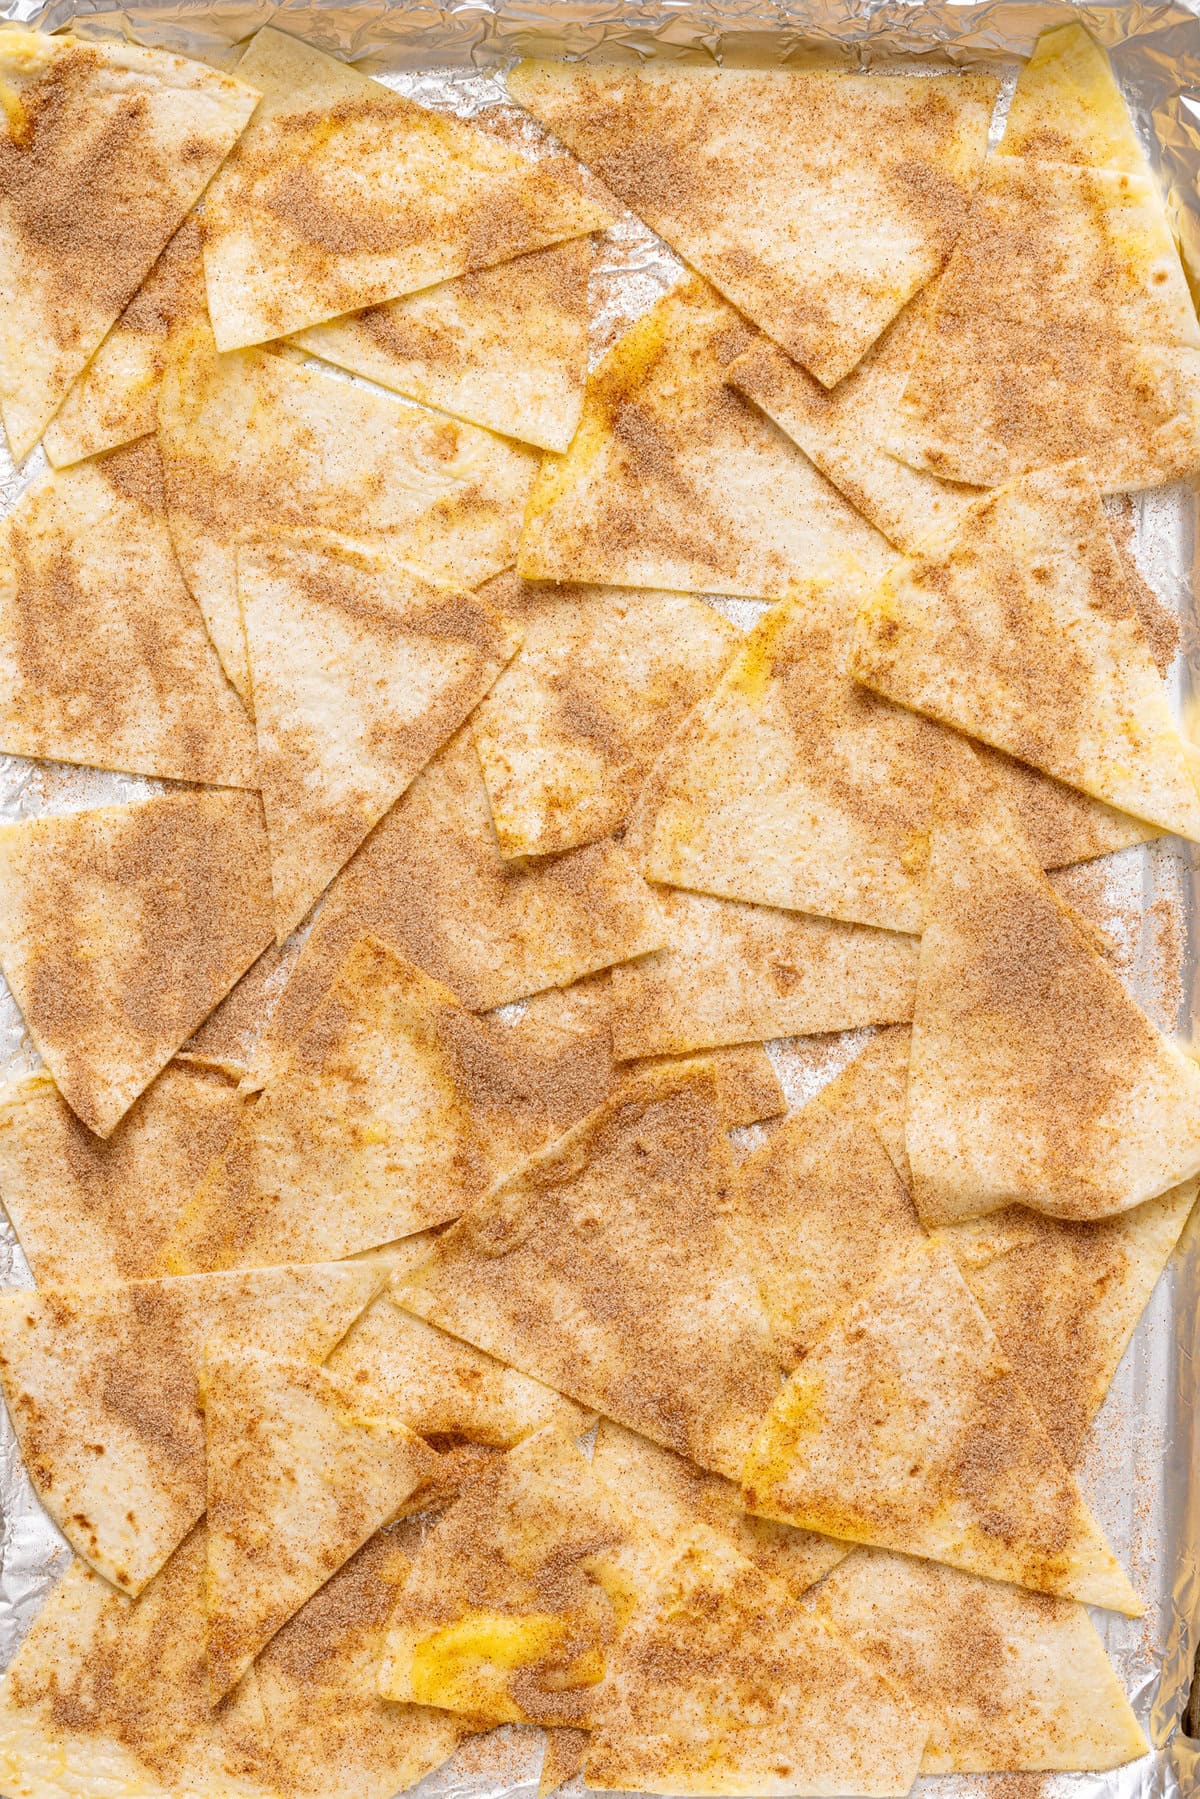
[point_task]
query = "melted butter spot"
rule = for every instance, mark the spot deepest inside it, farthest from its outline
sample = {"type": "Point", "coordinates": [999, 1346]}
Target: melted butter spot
{"type": "Point", "coordinates": [448, 1668]}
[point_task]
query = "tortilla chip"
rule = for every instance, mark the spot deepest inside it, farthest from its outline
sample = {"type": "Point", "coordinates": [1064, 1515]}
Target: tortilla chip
{"type": "Point", "coordinates": [734, 973]}
{"type": "Point", "coordinates": [823, 1214]}
{"type": "Point", "coordinates": [1020, 629]}
{"type": "Point", "coordinates": [569, 731]}
{"type": "Point", "coordinates": [505, 348]}
{"type": "Point", "coordinates": [563, 1759]}
{"type": "Point", "coordinates": [1034, 1079]}
{"type": "Point", "coordinates": [1006, 1679]}
{"type": "Point", "coordinates": [674, 481]}
{"type": "Point", "coordinates": [101, 1388]}
{"type": "Point", "coordinates": [343, 194]}
{"type": "Point", "coordinates": [1067, 107]}
{"type": "Point", "coordinates": [615, 1238]}
{"type": "Point", "coordinates": [818, 202]}
{"type": "Point", "coordinates": [674, 1503]}
{"type": "Point", "coordinates": [905, 1428]}
{"type": "Point", "coordinates": [115, 400]}
{"type": "Point", "coordinates": [121, 928]}
{"type": "Point", "coordinates": [106, 147]}
{"type": "Point", "coordinates": [104, 654]}
{"type": "Point", "coordinates": [359, 464]}
{"type": "Point", "coordinates": [519, 1593]}
{"type": "Point", "coordinates": [229, 1035]}
{"type": "Point", "coordinates": [724, 1683]}
{"type": "Point", "coordinates": [360, 670]}
{"type": "Point", "coordinates": [89, 1210]}
{"type": "Point", "coordinates": [300, 1474]}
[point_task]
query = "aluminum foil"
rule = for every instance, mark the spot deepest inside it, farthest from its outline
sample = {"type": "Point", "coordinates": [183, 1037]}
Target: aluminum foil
{"type": "Point", "coordinates": [1141, 1472]}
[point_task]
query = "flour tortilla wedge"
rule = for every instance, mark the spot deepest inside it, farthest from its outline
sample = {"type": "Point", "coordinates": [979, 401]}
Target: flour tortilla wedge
{"type": "Point", "coordinates": [644, 1184]}
{"type": "Point", "coordinates": [1067, 107]}
{"type": "Point", "coordinates": [360, 669]}
{"type": "Point", "coordinates": [563, 1759]}
{"type": "Point", "coordinates": [343, 194]}
{"type": "Point", "coordinates": [735, 973]}
{"type": "Point", "coordinates": [446, 496]}
{"type": "Point", "coordinates": [89, 1210]}
{"type": "Point", "coordinates": [1020, 629]}
{"type": "Point", "coordinates": [1034, 1078]}
{"type": "Point", "coordinates": [905, 1428]}
{"type": "Point", "coordinates": [229, 1035]}
{"type": "Point", "coordinates": [115, 400]}
{"type": "Point", "coordinates": [122, 927]}
{"type": "Point", "coordinates": [571, 727]}
{"type": "Point", "coordinates": [300, 1473]}
{"type": "Point", "coordinates": [725, 1683]}
{"type": "Point", "coordinates": [106, 148]}
{"type": "Point", "coordinates": [505, 348]}
{"type": "Point", "coordinates": [101, 1388]}
{"type": "Point", "coordinates": [674, 1503]}
{"type": "Point", "coordinates": [673, 481]}
{"type": "Point", "coordinates": [104, 659]}
{"type": "Point", "coordinates": [818, 202]}
{"type": "Point", "coordinates": [519, 1592]}
{"type": "Point", "coordinates": [1007, 1680]}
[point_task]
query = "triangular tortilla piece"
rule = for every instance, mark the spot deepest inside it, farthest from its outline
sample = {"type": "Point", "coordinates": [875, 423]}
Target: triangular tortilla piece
{"type": "Point", "coordinates": [674, 1503]}
{"type": "Point", "coordinates": [505, 348]}
{"type": "Point", "coordinates": [115, 400]}
{"type": "Point", "coordinates": [121, 928]}
{"type": "Point", "coordinates": [674, 481]}
{"type": "Point", "coordinates": [87, 1209]}
{"type": "Point", "coordinates": [1067, 107]}
{"type": "Point", "coordinates": [817, 201]}
{"type": "Point", "coordinates": [300, 1473]}
{"type": "Point", "coordinates": [106, 148]}
{"type": "Point", "coordinates": [1064, 1299]}
{"type": "Point", "coordinates": [822, 1213]}
{"type": "Point", "coordinates": [618, 1237]}
{"type": "Point", "coordinates": [1034, 1079]}
{"type": "Point", "coordinates": [793, 786]}
{"type": "Point", "coordinates": [343, 194]}
{"type": "Point", "coordinates": [360, 669]}
{"type": "Point", "coordinates": [519, 1593]}
{"type": "Point", "coordinates": [104, 658]}
{"type": "Point", "coordinates": [874, 1086]}
{"type": "Point", "coordinates": [905, 1428]}
{"type": "Point", "coordinates": [445, 496]}
{"type": "Point", "coordinates": [229, 1035]}
{"type": "Point", "coordinates": [563, 1758]}
{"type": "Point", "coordinates": [1009, 1681]}
{"type": "Point", "coordinates": [725, 1683]}
{"type": "Point", "coordinates": [569, 731]}
{"type": "Point", "coordinates": [1020, 629]}
{"type": "Point", "coordinates": [101, 1388]}
{"type": "Point", "coordinates": [735, 973]}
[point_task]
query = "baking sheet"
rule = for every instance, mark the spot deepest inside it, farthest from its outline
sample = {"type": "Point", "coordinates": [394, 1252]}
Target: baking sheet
{"type": "Point", "coordinates": [1141, 1472]}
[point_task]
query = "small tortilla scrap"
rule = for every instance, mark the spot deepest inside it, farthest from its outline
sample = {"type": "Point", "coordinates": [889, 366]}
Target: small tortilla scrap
{"type": "Point", "coordinates": [445, 496]}
{"type": "Point", "coordinates": [122, 927]}
{"type": "Point", "coordinates": [1008, 1681]}
{"type": "Point", "coordinates": [674, 1503]}
{"type": "Point", "coordinates": [905, 1428]}
{"type": "Point", "coordinates": [874, 1086]}
{"type": "Point", "coordinates": [430, 883]}
{"type": "Point", "coordinates": [725, 1683]}
{"type": "Point", "coordinates": [570, 729]}
{"type": "Point", "coordinates": [299, 1474]}
{"type": "Point", "coordinates": [343, 194]}
{"type": "Point", "coordinates": [1067, 107]}
{"type": "Point", "coordinates": [817, 202]}
{"type": "Point", "coordinates": [616, 1238]}
{"type": "Point", "coordinates": [101, 1389]}
{"type": "Point", "coordinates": [115, 400]}
{"type": "Point", "coordinates": [1035, 1079]}
{"type": "Point", "coordinates": [823, 1213]}
{"type": "Point", "coordinates": [735, 973]}
{"type": "Point", "coordinates": [1021, 629]}
{"type": "Point", "coordinates": [515, 1601]}
{"type": "Point", "coordinates": [229, 1035]}
{"type": "Point", "coordinates": [104, 658]}
{"type": "Point", "coordinates": [505, 348]}
{"type": "Point", "coordinates": [674, 481]}
{"type": "Point", "coordinates": [105, 149]}
{"type": "Point", "coordinates": [88, 1210]}
{"type": "Point", "coordinates": [360, 670]}
{"type": "Point", "coordinates": [563, 1759]}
